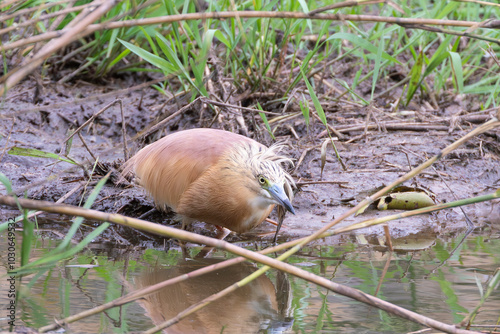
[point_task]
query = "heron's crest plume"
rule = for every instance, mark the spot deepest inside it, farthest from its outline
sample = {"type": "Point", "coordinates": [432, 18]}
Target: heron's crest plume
{"type": "Point", "coordinates": [266, 161]}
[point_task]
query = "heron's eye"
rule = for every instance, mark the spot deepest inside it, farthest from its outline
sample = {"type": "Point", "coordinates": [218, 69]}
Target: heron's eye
{"type": "Point", "coordinates": [261, 179]}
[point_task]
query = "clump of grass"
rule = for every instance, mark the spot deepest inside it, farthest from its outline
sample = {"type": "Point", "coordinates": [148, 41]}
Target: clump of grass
{"type": "Point", "coordinates": [267, 54]}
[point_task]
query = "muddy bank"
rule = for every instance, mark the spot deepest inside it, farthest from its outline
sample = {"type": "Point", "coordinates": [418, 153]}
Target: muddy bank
{"type": "Point", "coordinates": [42, 117]}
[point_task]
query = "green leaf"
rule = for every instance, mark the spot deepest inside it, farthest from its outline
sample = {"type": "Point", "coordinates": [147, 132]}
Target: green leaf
{"type": "Point", "coordinates": [450, 7]}
{"type": "Point", "coordinates": [69, 143]}
{"type": "Point", "coordinates": [415, 77]}
{"type": "Point", "coordinates": [166, 47]}
{"type": "Point", "coordinates": [355, 81]}
{"type": "Point", "coordinates": [350, 90]}
{"type": "Point", "coordinates": [378, 62]}
{"type": "Point", "coordinates": [207, 44]}
{"type": "Point", "coordinates": [322, 116]}
{"type": "Point", "coordinates": [8, 186]}
{"type": "Point", "coordinates": [439, 56]}
{"type": "Point", "coordinates": [161, 63]}
{"type": "Point", "coordinates": [223, 39]}
{"type": "Point", "coordinates": [487, 85]}
{"type": "Point", "coordinates": [6, 182]}
{"type": "Point", "coordinates": [122, 55]}
{"type": "Point", "coordinates": [314, 98]}
{"type": "Point", "coordinates": [493, 94]}
{"type": "Point", "coordinates": [456, 66]}
{"type": "Point", "coordinates": [198, 72]}
{"type": "Point", "coordinates": [304, 106]}
{"type": "Point", "coordinates": [150, 41]}
{"type": "Point", "coordinates": [28, 236]}
{"type": "Point", "coordinates": [199, 67]}
{"type": "Point", "coordinates": [31, 152]}
{"type": "Point", "coordinates": [266, 123]}
{"type": "Point", "coordinates": [304, 68]}
{"type": "Point", "coordinates": [358, 41]}
{"type": "Point", "coordinates": [305, 8]}
{"type": "Point", "coordinates": [112, 41]}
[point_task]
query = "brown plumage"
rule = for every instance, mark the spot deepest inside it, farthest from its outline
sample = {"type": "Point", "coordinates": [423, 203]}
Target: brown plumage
{"type": "Point", "coordinates": [214, 176]}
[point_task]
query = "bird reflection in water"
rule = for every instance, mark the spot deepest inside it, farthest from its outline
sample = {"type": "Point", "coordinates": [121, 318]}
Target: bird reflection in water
{"type": "Point", "coordinates": [253, 308]}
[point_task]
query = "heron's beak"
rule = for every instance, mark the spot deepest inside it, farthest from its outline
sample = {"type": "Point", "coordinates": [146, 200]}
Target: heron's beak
{"type": "Point", "coordinates": [278, 193]}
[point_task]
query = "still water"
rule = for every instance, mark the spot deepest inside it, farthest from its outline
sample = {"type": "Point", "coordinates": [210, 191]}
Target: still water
{"type": "Point", "coordinates": [442, 278]}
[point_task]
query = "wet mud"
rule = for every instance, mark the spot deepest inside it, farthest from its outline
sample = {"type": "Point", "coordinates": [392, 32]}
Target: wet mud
{"type": "Point", "coordinates": [374, 150]}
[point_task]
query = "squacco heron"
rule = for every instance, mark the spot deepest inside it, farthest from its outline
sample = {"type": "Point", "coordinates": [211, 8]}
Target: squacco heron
{"type": "Point", "coordinates": [214, 176]}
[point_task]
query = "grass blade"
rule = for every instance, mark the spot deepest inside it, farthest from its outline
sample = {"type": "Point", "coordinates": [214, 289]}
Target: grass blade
{"type": "Point", "coordinates": [456, 66]}
{"type": "Point", "coordinates": [314, 98]}
{"type": "Point", "coordinates": [304, 107]}
{"type": "Point", "coordinates": [159, 62]}
{"type": "Point", "coordinates": [439, 56]}
{"type": "Point", "coordinates": [415, 77]}
{"type": "Point", "coordinates": [6, 182]}
{"type": "Point", "coordinates": [322, 117]}
{"type": "Point", "coordinates": [358, 41]}
{"type": "Point", "coordinates": [28, 228]}
{"type": "Point", "coordinates": [31, 152]}
{"type": "Point", "coordinates": [376, 70]}
{"type": "Point", "coordinates": [266, 123]}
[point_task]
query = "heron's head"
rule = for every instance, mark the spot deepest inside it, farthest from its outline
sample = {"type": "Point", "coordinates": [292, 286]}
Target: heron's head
{"type": "Point", "coordinates": [262, 172]}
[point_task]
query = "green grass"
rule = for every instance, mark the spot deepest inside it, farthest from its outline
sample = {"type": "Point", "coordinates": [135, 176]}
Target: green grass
{"type": "Point", "coordinates": [268, 54]}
